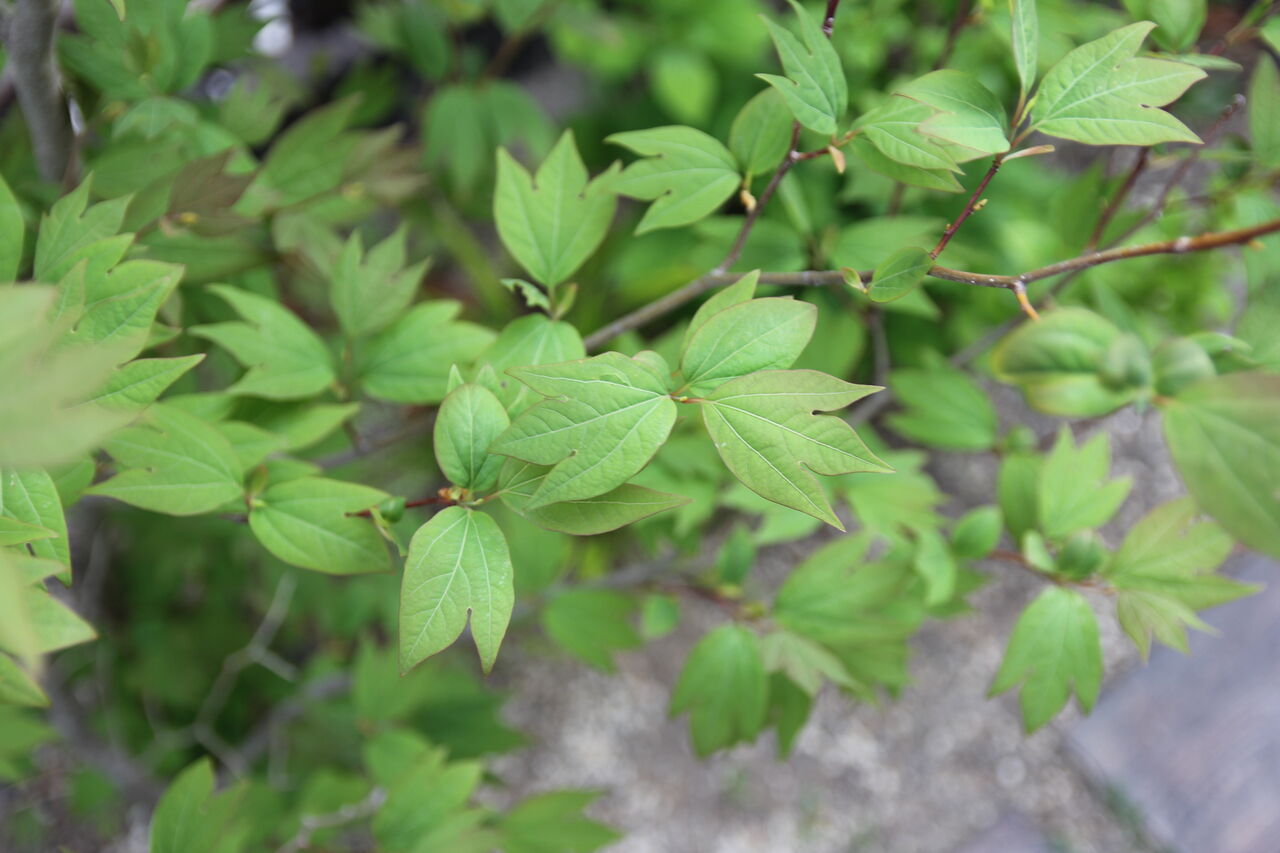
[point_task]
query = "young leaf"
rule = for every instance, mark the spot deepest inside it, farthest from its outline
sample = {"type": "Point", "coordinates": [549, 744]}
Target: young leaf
{"type": "Point", "coordinates": [409, 361]}
{"type": "Point", "coordinates": [31, 497]}
{"type": "Point", "coordinates": [759, 334]}
{"type": "Point", "coordinates": [945, 408]}
{"type": "Point", "coordinates": [1026, 43]}
{"type": "Point", "coordinates": [308, 522]}
{"type": "Point", "coordinates": [1101, 94]}
{"type": "Point", "coordinates": [286, 360]}
{"type": "Point", "coordinates": [761, 133]}
{"type": "Point", "coordinates": [724, 688]}
{"type": "Point", "coordinates": [591, 624]}
{"type": "Point", "coordinates": [1074, 492]}
{"type": "Point", "coordinates": [469, 420]}
{"type": "Point", "coordinates": [586, 517]}
{"type": "Point", "coordinates": [1054, 649]}
{"type": "Point", "coordinates": [174, 463]}
{"type": "Point", "coordinates": [969, 115]}
{"type": "Point", "coordinates": [900, 274]}
{"type": "Point", "coordinates": [687, 174]}
{"type": "Point", "coordinates": [370, 290]}
{"type": "Point", "coordinates": [140, 383]}
{"type": "Point", "coordinates": [553, 221]}
{"type": "Point", "coordinates": [605, 419]}
{"type": "Point", "coordinates": [814, 87]}
{"type": "Point", "coordinates": [458, 566]}
{"type": "Point", "coordinates": [1224, 435]}
{"type": "Point", "coordinates": [765, 430]}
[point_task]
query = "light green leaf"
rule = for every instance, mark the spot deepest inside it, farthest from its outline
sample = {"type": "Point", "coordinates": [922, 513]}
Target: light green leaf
{"type": "Point", "coordinates": [553, 221]}
{"type": "Point", "coordinates": [1100, 94]}
{"type": "Point", "coordinates": [12, 234]}
{"type": "Point", "coordinates": [684, 84]}
{"type": "Point", "coordinates": [724, 688]}
{"type": "Point", "coordinates": [533, 296]}
{"type": "Point", "coordinates": [307, 160]}
{"type": "Point", "coordinates": [174, 463]}
{"type": "Point", "coordinates": [935, 565]}
{"type": "Point", "coordinates": [530, 340]}
{"type": "Point", "coordinates": [605, 419]}
{"type": "Point", "coordinates": [370, 290]}
{"type": "Point", "coordinates": [116, 309]}
{"type": "Point", "coordinates": [409, 362]}
{"type": "Point", "coordinates": [814, 87]}
{"type": "Point", "coordinates": [942, 180]}
{"type": "Point", "coordinates": [17, 687]}
{"type": "Point", "coordinates": [73, 231]}
{"type": "Point", "coordinates": [14, 532]}
{"type": "Point", "coordinates": [1058, 361]}
{"type": "Point", "coordinates": [31, 497]}
{"type": "Point", "coordinates": [554, 822]}
{"type": "Point", "coordinates": [286, 360]}
{"type": "Point", "coordinates": [686, 173]}
{"type": "Point", "coordinates": [1026, 42]}
{"type": "Point", "coordinates": [33, 622]}
{"type": "Point", "coordinates": [977, 533]}
{"type": "Point", "coordinates": [969, 115]}
{"type": "Point", "coordinates": [900, 274]}
{"type": "Point", "coordinates": [1180, 22]}
{"type": "Point", "coordinates": [469, 420]}
{"type": "Point", "coordinates": [616, 508]}
{"type": "Point", "coordinates": [765, 430]}
{"type": "Point", "coordinates": [1264, 111]}
{"type": "Point", "coordinates": [740, 291]}
{"type": "Point", "coordinates": [309, 522]}
{"type": "Point", "coordinates": [1224, 435]}
{"type": "Point", "coordinates": [1074, 492]}
{"type": "Point", "coordinates": [761, 133]}
{"type": "Point", "coordinates": [191, 818]}
{"type": "Point", "coordinates": [803, 661]}
{"type": "Point", "coordinates": [305, 424]}
{"type": "Point", "coordinates": [1054, 649]}
{"type": "Point", "coordinates": [458, 566]}
{"type": "Point", "coordinates": [140, 383]}
{"type": "Point", "coordinates": [894, 129]}
{"type": "Point", "coordinates": [945, 408]}
{"type": "Point", "coordinates": [1170, 540]}
{"type": "Point", "coordinates": [1018, 488]}
{"type": "Point", "coordinates": [591, 624]}
{"type": "Point", "coordinates": [252, 444]}
{"type": "Point", "coordinates": [759, 334]}
{"type": "Point", "coordinates": [659, 615]}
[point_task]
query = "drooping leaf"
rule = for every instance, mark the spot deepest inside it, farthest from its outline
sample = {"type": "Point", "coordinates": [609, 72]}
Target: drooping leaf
{"type": "Point", "coordinates": [724, 688]}
{"type": "Point", "coordinates": [310, 522]}
{"type": "Point", "coordinates": [761, 133]}
{"type": "Point", "coordinates": [765, 430]}
{"type": "Point", "coordinates": [591, 624]}
{"type": "Point", "coordinates": [1224, 435]}
{"type": "Point", "coordinates": [1074, 492]}
{"type": "Point", "coordinates": [760, 334]}
{"type": "Point", "coordinates": [370, 290]}
{"type": "Point", "coordinates": [616, 508]}
{"type": "Point", "coordinates": [172, 462]}
{"type": "Point", "coordinates": [686, 174]}
{"type": "Point", "coordinates": [1054, 650]}
{"type": "Point", "coordinates": [458, 567]}
{"type": "Point", "coordinates": [814, 88]}
{"type": "Point", "coordinates": [605, 418]}
{"type": "Point", "coordinates": [945, 408]}
{"type": "Point", "coordinates": [409, 362]}
{"type": "Point", "coordinates": [286, 360]}
{"type": "Point", "coordinates": [1102, 94]}
{"type": "Point", "coordinates": [900, 274]}
{"type": "Point", "coordinates": [553, 221]}
{"type": "Point", "coordinates": [469, 420]}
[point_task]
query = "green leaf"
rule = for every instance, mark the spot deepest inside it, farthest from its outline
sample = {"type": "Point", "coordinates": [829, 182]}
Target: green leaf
{"type": "Point", "coordinates": [977, 533]}
{"type": "Point", "coordinates": [530, 340]}
{"type": "Point", "coordinates": [309, 522]}
{"type": "Point", "coordinates": [191, 818]}
{"type": "Point", "coordinates": [724, 688]}
{"type": "Point", "coordinates": [945, 408]}
{"type": "Point", "coordinates": [804, 662]}
{"type": "Point", "coordinates": [1264, 111]}
{"type": "Point", "coordinates": [553, 221]}
{"type": "Point", "coordinates": [1100, 94]}
{"type": "Point", "coordinates": [740, 291]}
{"type": "Point", "coordinates": [533, 296]}
{"type": "Point", "coordinates": [140, 383]}
{"type": "Point", "coordinates": [31, 497]}
{"type": "Point", "coordinates": [933, 562]}
{"type": "Point", "coordinates": [1018, 487]}
{"type": "Point", "coordinates": [18, 687]}
{"type": "Point", "coordinates": [761, 133]}
{"type": "Point", "coordinates": [765, 430]}
{"type": "Point", "coordinates": [174, 463]}
{"type": "Point", "coordinates": [1058, 362]}
{"type": "Point", "coordinates": [553, 822]}
{"type": "Point", "coordinates": [1026, 42]}
{"type": "Point", "coordinates": [687, 174]}
{"type": "Point", "coordinates": [1054, 649]}
{"type": "Point", "coordinates": [307, 160]}
{"type": "Point", "coordinates": [36, 623]}
{"type": "Point", "coordinates": [605, 419]}
{"type": "Point", "coordinates": [370, 290]}
{"type": "Point", "coordinates": [1074, 492]}
{"type": "Point", "coordinates": [12, 234]}
{"type": "Point", "coordinates": [616, 508]}
{"type": "Point", "coordinates": [894, 129]}
{"type": "Point", "coordinates": [73, 231]}
{"type": "Point", "coordinates": [1180, 22]}
{"type": "Point", "coordinates": [969, 115]}
{"type": "Point", "coordinates": [1224, 435]}
{"type": "Point", "coordinates": [458, 566]}
{"type": "Point", "coordinates": [469, 420]}
{"type": "Point", "coordinates": [900, 274]}
{"type": "Point", "coordinates": [659, 615]}
{"type": "Point", "coordinates": [942, 180]}
{"type": "Point", "coordinates": [591, 624]}
{"type": "Point", "coordinates": [14, 532]}
{"type": "Point", "coordinates": [116, 309]}
{"type": "Point", "coordinates": [409, 362]}
{"type": "Point", "coordinates": [684, 84]}
{"type": "Point", "coordinates": [760, 334]}
{"type": "Point", "coordinates": [814, 88]}
{"type": "Point", "coordinates": [286, 360]}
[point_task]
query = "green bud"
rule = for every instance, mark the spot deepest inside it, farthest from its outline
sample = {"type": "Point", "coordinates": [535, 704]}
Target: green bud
{"type": "Point", "coordinates": [1126, 364]}
{"type": "Point", "coordinates": [1083, 555]}
{"type": "Point", "coordinates": [392, 509]}
{"type": "Point", "coordinates": [1020, 439]}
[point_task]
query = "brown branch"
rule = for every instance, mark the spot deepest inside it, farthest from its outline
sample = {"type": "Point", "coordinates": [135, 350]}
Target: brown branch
{"type": "Point", "coordinates": [1139, 165]}
{"type": "Point", "coordinates": [829, 19]}
{"type": "Point", "coordinates": [740, 242]}
{"type": "Point", "coordinates": [35, 80]}
{"type": "Point", "coordinates": [963, 14]}
{"type": "Point", "coordinates": [970, 206]}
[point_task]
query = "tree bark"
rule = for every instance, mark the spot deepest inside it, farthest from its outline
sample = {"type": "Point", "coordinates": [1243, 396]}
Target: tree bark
{"type": "Point", "coordinates": [35, 80]}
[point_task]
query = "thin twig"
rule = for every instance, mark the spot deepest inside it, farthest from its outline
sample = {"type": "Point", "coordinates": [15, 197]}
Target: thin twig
{"type": "Point", "coordinates": [963, 13]}
{"type": "Point", "coordinates": [1139, 164]}
{"type": "Point", "coordinates": [970, 206]}
{"type": "Point", "coordinates": [829, 19]}
{"type": "Point", "coordinates": [740, 242]}
{"type": "Point", "coordinates": [350, 813]}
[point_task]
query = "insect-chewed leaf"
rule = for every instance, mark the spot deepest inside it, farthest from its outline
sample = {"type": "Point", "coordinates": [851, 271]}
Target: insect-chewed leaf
{"type": "Point", "coordinates": [814, 89]}
{"type": "Point", "coordinates": [307, 522]}
{"type": "Point", "coordinates": [458, 565]}
{"type": "Point", "coordinates": [758, 334]}
{"type": "Point", "coordinates": [686, 173]}
{"type": "Point", "coordinates": [765, 430]}
{"type": "Point", "coordinates": [606, 418]}
{"type": "Point", "coordinates": [1102, 94]}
